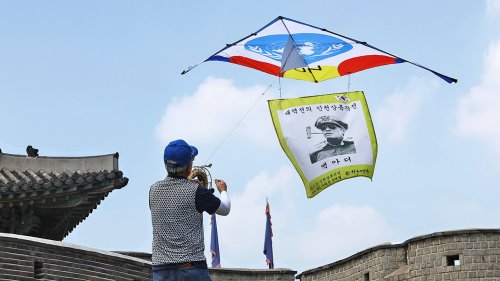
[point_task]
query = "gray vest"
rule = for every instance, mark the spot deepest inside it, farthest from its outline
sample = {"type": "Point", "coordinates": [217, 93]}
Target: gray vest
{"type": "Point", "coordinates": [177, 225]}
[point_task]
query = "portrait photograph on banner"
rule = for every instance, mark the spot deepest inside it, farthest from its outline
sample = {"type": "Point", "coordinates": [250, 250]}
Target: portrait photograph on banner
{"type": "Point", "coordinates": [328, 138]}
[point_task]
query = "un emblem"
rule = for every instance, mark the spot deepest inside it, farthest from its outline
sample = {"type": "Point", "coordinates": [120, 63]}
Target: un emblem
{"type": "Point", "coordinates": [312, 46]}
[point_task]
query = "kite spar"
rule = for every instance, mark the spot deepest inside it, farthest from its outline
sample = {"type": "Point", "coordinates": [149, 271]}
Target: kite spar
{"type": "Point", "coordinates": [293, 49]}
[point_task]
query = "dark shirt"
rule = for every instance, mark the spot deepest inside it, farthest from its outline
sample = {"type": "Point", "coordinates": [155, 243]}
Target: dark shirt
{"type": "Point", "coordinates": [206, 201]}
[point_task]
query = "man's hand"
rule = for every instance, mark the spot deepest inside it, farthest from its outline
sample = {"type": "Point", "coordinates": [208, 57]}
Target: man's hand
{"type": "Point", "coordinates": [221, 185]}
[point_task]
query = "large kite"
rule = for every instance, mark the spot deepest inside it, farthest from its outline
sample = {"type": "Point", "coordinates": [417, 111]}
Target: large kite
{"type": "Point", "coordinates": [292, 49]}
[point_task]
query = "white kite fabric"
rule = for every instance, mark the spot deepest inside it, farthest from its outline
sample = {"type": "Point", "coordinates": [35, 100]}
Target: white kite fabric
{"type": "Point", "coordinates": [328, 138]}
{"type": "Point", "coordinates": [293, 49]}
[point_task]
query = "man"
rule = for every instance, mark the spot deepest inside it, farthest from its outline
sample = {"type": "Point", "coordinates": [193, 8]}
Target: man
{"type": "Point", "coordinates": [177, 204]}
{"type": "Point", "coordinates": [333, 130]}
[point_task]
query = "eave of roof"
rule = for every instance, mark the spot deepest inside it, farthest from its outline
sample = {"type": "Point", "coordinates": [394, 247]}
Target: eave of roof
{"type": "Point", "coordinates": [62, 190]}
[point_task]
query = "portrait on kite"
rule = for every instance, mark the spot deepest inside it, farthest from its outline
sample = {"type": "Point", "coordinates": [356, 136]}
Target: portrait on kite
{"type": "Point", "coordinates": [334, 144]}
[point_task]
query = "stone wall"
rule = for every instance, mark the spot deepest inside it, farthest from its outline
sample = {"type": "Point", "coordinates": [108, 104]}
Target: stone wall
{"type": "Point", "coordinates": [28, 258]}
{"type": "Point", "coordinates": [457, 255]}
{"type": "Point", "coordinates": [472, 254]}
{"type": "Point", "coordinates": [371, 264]}
{"type": "Point", "coordinates": [239, 274]}
{"type": "Point", "coordinates": [25, 258]}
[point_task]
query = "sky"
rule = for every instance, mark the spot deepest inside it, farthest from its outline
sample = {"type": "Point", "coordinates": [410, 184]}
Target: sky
{"type": "Point", "coordinates": [82, 78]}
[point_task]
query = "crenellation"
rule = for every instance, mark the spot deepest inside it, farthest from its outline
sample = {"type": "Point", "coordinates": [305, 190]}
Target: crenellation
{"type": "Point", "coordinates": [478, 260]}
{"type": "Point", "coordinates": [454, 255]}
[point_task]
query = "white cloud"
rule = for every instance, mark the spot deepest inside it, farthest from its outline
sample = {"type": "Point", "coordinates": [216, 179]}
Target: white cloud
{"type": "Point", "coordinates": [214, 111]}
{"type": "Point", "coordinates": [399, 109]}
{"type": "Point", "coordinates": [338, 232]}
{"type": "Point", "coordinates": [318, 239]}
{"type": "Point", "coordinates": [241, 233]}
{"type": "Point", "coordinates": [478, 112]}
{"type": "Point", "coordinates": [493, 6]}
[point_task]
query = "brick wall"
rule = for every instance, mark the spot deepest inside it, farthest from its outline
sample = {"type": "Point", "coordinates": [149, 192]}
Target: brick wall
{"type": "Point", "coordinates": [472, 254]}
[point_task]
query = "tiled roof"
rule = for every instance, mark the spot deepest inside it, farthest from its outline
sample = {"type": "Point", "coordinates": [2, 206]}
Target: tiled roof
{"type": "Point", "coordinates": [18, 182]}
{"type": "Point", "coordinates": [54, 194]}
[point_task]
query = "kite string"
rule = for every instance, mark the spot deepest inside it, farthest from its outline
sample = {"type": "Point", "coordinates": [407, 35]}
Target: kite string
{"type": "Point", "coordinates": [239, 122]}
{"type": "Point", "coordinates": [279, 83]}
{"type": "Point", "coordinates": [348, 82]}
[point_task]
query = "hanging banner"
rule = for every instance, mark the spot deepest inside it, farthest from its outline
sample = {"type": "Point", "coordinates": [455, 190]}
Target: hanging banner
{"type": "Point", "coordinates": [327, 138]}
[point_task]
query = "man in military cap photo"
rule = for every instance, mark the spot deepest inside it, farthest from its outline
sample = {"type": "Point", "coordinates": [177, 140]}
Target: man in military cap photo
{"type": "Point", "coordinates": [334, 131]}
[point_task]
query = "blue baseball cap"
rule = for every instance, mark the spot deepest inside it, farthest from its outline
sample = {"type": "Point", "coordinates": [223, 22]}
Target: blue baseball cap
{"type": "Point", "coordinates": [178, 153]}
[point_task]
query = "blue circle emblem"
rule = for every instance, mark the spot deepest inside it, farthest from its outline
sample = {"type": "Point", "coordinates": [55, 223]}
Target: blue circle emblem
{"type": "Point", "coordinates": [312, 46]}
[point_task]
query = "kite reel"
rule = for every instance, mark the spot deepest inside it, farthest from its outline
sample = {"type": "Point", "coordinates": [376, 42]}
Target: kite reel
{"type": "Point", "coordinates": [202, 175]}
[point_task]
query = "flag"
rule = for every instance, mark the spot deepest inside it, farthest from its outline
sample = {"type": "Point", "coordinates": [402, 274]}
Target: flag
{"type": "Point", "coordinates": [268, 240]}
{"type": "Point", "coordinates": [328, 138]}
{"type": "Point", "coordinates": [214, 244]}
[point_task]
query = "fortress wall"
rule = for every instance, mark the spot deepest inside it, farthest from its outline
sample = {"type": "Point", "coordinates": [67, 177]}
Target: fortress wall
{"type": "Point", "coordinates": [240, 274]}
{"type": "Point", "coordinates": [472, 254]}
{"type": "Point", "coordinates": [457, 255]}
{"type": "Point", "coordinates": [27, 258]}
{"type": "Point", "coordinates": [370, 264]}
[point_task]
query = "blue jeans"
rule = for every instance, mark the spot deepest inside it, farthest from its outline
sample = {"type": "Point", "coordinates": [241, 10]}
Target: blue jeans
{"type": "Point", "coordinates": [189, 273]}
